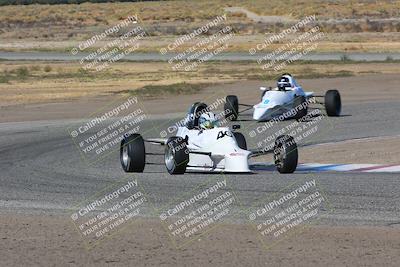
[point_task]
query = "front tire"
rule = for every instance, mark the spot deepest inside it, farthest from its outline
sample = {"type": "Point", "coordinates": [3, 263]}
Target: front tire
{"type": "Point", "coordinates": [231, 107]}
{"type": "Point", "coordinates": [176, 155]}
{"type": "Point", "coordinates": [333, 103]}
{"type": "Point", "coordinates": [285, 154]}
{"type": "Point", "coordinates": [133, 153]}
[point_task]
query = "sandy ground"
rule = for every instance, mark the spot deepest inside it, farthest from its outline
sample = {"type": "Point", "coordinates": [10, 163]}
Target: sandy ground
{"type": "Point", "coordinates": [52, 240]}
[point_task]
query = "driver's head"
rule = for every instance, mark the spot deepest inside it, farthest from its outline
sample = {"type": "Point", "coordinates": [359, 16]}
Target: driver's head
{"type": "Point", "coordinates": [284, 82]}
{"type": "Point", "coordinates": [207, 120]}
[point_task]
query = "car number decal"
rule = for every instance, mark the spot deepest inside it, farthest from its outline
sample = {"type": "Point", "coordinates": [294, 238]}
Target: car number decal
{"type": "Point", "coordinates": [222, 134]}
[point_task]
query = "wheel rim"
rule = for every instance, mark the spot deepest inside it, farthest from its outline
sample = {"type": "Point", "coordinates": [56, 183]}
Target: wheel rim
{"type": "Point", "coordinates": [125, 156]}
{"type": "Point", "coordinates": [169, 158]}
{"type": "Point", "coordinates": [280, 156]}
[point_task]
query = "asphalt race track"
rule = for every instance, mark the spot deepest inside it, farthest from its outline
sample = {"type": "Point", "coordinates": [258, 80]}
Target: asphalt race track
{"type": "Point", "coordinates": [42, 171]}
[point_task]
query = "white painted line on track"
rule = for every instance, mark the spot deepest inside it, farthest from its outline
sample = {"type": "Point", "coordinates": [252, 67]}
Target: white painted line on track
{"type": "Point", "coordinates": [318, 167]}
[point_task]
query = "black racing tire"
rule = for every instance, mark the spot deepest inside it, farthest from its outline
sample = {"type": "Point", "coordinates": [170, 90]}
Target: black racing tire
{"type": "Point", "coordinates": [285, 154]}
{"type": "Point", "coordinates": [241, 140]}
{"type": "Point", "coordinates": [333, 103]}
{"type": "Point", "coordinates": [133, 153]}
{"type": "Point", "coordinates": [301, 107]}
{"type": "Point", "coordinates": [231, 107]}
{"type": "Point", "coordinates": [176, 155]}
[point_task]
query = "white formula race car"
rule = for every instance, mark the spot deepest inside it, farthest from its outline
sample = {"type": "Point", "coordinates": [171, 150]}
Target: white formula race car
{"type": "Point", "coordinates": [287, 99]}
{"type": "Point", "coordinates": [212, 149]}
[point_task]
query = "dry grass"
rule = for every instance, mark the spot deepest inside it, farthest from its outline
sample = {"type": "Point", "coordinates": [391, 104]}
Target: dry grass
{"type": "Point", "coordinates": [368, 42]}
{"type": "Point", "coordinates": [68, 81]}
{"type": "Point", "coordinates": [92, 14]}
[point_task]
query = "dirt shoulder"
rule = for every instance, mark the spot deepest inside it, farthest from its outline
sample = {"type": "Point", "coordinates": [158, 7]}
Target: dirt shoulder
{"type": "Point", "coordinates": [52, 240]}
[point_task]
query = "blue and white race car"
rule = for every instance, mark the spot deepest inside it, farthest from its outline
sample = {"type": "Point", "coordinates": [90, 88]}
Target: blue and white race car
{"type": "Point", "coordinates": [288, 99]}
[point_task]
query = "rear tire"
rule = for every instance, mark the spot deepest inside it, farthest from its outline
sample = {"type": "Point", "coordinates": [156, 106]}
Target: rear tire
{"type": "Point", "coordinates": [176, 155]}
{"type": "Point", "coordinates": [285, 154]}
{"type": "Point", "coordinates": [241, 140]}
{"type": "Point", "coordinates": [231, 107]}
{"type": "Point", "coordinates": [133, 153]}
{"type": "Point", "coordinates": [333, 103]}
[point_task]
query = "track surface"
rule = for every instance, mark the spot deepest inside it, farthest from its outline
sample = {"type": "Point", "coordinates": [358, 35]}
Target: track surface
{"type": "Point", "coordinates": [42, 172]}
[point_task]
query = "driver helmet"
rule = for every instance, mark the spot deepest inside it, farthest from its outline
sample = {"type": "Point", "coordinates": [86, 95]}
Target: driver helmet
{"type": "Point", "coordinates": [284, 82]}
{"type": "Point", "coordinates": [208, 120]}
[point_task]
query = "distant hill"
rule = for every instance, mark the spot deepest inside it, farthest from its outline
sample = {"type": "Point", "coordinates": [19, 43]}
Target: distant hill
{"type": "Point", "coordinates": [56, 2]}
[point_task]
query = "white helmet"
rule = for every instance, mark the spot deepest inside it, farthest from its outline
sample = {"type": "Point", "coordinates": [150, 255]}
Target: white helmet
{"type": "Point", "coordinates": [284, 82]}
{"type": "Point", "coordinates": [207, 120]}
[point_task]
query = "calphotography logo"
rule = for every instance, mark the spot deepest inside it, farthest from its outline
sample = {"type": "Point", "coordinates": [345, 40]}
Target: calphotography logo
{"type": "Point", "coordinates": [288, 212]}
{"type": "Point", "coordinates": [199, 212]}
{"type": "Point", "coordinates": [198, 49]}
{"type": "Point", "coordinates": [107, 48]}
{"type": "Point", "coordinates": [98, 37]}
{"type": "Point", "coordinates": [214, 103]}
{"type": "Point", "coordinates": [101, 134]}
{"type": "Point", "coordinates": [313, 124]}
{"type": "Point", "coordinates": [108, 212]}
{"type": "Point", "coordinates": [300, 44]}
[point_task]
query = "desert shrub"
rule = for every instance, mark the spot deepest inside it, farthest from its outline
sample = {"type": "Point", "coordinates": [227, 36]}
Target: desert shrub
{"type": "Point", "coordinates": [4, 77]}
{"type": "Point", "coordinates": [47, 68]}
{"type": "Point", "coordinates": [389, 58]}
{"type": "Point", "coordinates": [22, 72]}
